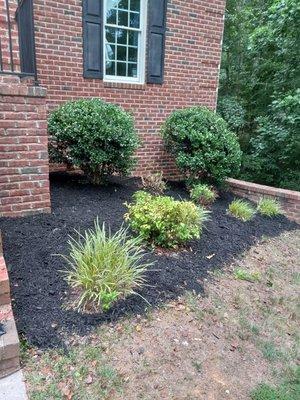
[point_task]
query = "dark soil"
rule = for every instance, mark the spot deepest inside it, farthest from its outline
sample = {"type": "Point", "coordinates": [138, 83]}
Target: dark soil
{"type": "Point", "coordinates": [31, 245]}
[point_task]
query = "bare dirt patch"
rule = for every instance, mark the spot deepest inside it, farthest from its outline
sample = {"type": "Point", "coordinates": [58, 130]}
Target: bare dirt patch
{"type": "Point", "coordinates": [219, 345]}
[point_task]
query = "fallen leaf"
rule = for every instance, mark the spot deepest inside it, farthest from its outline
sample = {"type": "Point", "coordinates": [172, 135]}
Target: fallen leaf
{"type": "Point", "coordinates": [210, 257]}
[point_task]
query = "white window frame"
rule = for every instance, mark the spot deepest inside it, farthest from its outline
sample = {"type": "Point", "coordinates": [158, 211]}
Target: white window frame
{"type": "Point", "coordinates": [141, 61]}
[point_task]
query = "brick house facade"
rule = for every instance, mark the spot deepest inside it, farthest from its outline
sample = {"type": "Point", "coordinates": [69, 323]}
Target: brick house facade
{"type": "Point", "coordinates": [187, 34]}
{"type": "Point", "coordinates": [192, 59]}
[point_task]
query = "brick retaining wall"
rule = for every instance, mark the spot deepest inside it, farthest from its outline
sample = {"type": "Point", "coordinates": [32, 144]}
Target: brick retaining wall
{"type": "Point", "coordinates": [289, 199]}
{"type": "Point", "coordinates": [24, 169]}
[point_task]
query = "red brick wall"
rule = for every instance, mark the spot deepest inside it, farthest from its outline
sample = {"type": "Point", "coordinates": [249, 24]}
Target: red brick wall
{"type": "Point", "coordinates": [193, 49]}
{"type": "Point", "coordinates": [24, 169]}
{"type": "Point", "coordinates": [289, 199]}
{"type": "Point", "coordinates": [5, 37]}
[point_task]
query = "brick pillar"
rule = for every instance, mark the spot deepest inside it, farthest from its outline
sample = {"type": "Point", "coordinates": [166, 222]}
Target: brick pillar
{"type": "Point", "coordinates": [24, 165]}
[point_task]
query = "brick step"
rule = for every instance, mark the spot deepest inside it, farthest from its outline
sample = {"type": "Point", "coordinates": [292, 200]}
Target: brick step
{"type": "Point", "coordinates": [9, 343]}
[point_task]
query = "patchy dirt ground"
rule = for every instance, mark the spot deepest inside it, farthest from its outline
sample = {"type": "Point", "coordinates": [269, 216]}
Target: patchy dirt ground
{"type": "Point", "coordinates": [242, 331]}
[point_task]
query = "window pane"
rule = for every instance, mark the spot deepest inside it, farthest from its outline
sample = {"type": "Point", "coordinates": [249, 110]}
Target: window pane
{"type": "Point", "coordinates": [110, 52]}
{"type": "Point", "coordinates": [132, 54]}
{"type": "Point", "coordinates": [135, 5]}
{"type": "Point", "coordinates": [111, 16]}
{"type": "Point", "coordinates": [110, 68]}
{"type": "Point", "coordinates": [133, 39]}
{"type": "Point", "coordinates": [112, 4]}
{"type": "Point", "coordinates": [132, 70]}
{"type": "Point", "coordinates": [110, 35]}
{"type": "Point", "coordinates": [122, 36]}
{"type": "Point", "coordinates": [134, 20]}
{"type": "Point", "coordinates": [121, 69]}
{"type": "Point", "coordinates": [121, 54]}
{"type": "Point", "coordinates": [123, 4]}
{"type": "Point", "coordinates": [123, 18]}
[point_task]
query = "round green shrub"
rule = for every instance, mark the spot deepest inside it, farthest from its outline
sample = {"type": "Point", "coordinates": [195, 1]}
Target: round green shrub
{"type": "Point", "coordinates": [163, 221]}
{"type": "Point", "coordinates": [202, 144]}
{"type": "Point", "coordinates": [96, 136]}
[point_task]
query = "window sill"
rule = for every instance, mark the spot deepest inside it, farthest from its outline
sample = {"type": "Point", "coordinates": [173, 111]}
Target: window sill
{"type": "Point", "coordinates": [125, 85]}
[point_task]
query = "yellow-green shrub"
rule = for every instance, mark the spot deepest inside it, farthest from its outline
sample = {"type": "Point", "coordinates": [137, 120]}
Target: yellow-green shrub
{"type": "Point", "coordinates": [163, 221]}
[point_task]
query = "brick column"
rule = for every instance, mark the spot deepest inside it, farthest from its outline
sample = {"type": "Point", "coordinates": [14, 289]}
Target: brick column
{"type": "Point", "coordinates": [24, 165]}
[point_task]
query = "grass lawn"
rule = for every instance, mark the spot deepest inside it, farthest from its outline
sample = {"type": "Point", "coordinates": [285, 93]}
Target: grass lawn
{"type": "Point", "coordinates": [239, 340]}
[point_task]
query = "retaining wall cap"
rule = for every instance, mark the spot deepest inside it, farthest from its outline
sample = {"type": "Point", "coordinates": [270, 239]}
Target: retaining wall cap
{"type": "Point", "coordinates": [263, 189]}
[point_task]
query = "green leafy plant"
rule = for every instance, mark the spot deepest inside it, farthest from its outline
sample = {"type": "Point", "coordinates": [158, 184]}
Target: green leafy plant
{"type": "Point", "coordinates": [104, 267]}
{"type": "Point", "coordinates": [203, 194]}
{"type": "Point", "coordinates": [154, 183]}
{"type": "Point", "coordinates": [96, 136]}
{"type": "Point", "coordinates": [241, 209]}
{"type": "Point", "coordinates": [244, 275]}
{"type": "Point", "coordinates": [163, 221]}
{"type": "Point", "coordinates": [202, 144]}
{"type": "Point", "coordinates": [288, 389]}
{"type": "Point", "coordinates": [269, 207]}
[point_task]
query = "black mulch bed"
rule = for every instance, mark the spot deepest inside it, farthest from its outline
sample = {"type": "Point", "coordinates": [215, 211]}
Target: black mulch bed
{"type": "Point", "coordinates": [38, 291]}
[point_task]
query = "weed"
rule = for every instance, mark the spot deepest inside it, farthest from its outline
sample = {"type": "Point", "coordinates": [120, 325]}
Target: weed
{"type": "Point", "coordinates": [270, 351]}
{"type": "Point", "coordinates": [197, 365]}
{"type": "Point", "coordinates": [154, 183]}
{"type": "Point", "coordinates": [203, 194]}
{"type": "Point", "coordinates": [244, 275]}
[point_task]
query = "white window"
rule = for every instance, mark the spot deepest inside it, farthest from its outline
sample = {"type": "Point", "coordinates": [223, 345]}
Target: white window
{"type": "Point", "coordinates": [124, 40]}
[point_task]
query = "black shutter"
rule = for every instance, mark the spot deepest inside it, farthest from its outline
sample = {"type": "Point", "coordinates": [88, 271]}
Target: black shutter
{"type": "Point", "coordinates": [93, 39]}
{"type": "Point", "coordinates": [156, 40]}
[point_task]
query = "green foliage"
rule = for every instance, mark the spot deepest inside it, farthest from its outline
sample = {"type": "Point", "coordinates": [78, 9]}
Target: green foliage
{"type": "Point", "coordinates": [275, 151]}
{"type": "Point", "coordinates": [163, 221]}
{"type": "Point", "coordinates": [289, 389]}
{"type": "Point", "coordinates": [104, 267]}
{"type": "Point", "coordinates": [241, 209]}
{"type": "Point", "coordinates": [261, 70]}
{"type": "Point", "coordinates": [202, 144]}
{"type": "Point", "coordinates": [96, 136]}
{"type": "Point", "coordinates": [203, 194]}
{"type": "Point", "coordinates": [269, 207]}
{"type": "Point", "coordinates": [244, 275]}
{"type": "Point", "coordinates": [154, 183]}
{"type": "Point", "coordinates": [232, 112]}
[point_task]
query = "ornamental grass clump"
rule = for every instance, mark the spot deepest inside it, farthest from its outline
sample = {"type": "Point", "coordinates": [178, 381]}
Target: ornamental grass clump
{"type": "Point", "coordinates": [163, 221]}
{"type": "Point", "coordinates": [269, 207]}
{"type": "Point", "coordinates": [241, 209]}
{"type": "Point", "coordinates": [203, 194]}
{"type": "Point", "coordinates": [104, 267]}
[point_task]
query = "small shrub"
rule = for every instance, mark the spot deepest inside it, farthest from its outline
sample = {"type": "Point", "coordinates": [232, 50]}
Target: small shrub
{"type": "Point", "coordinates": [269, 207]}
{"type": "Point", "coordinates": [154, 183]}
{"type": "Point", "coordinates": [202, 144]}
{"type": "Point", "coordinates": [163, 221]}
{"type": "Point", "coordinates": [203, 194]}
{"type": "Point", "coordinates": [96, 136]}
{"type": "Point", "coordinates": [105, 267]}
{"type": "Point", "coordinates": [244, 275]}
{"type": "Point", "coordinates": [241, 210]}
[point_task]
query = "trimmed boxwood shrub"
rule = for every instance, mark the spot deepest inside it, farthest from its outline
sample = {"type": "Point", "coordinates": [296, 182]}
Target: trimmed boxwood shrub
{"type": "Point", "coordinates": [202, 144]}
{"type": "Point", "coordinates": [96, 136]}
{"type": "Point", "coordinates": [163, 221]}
